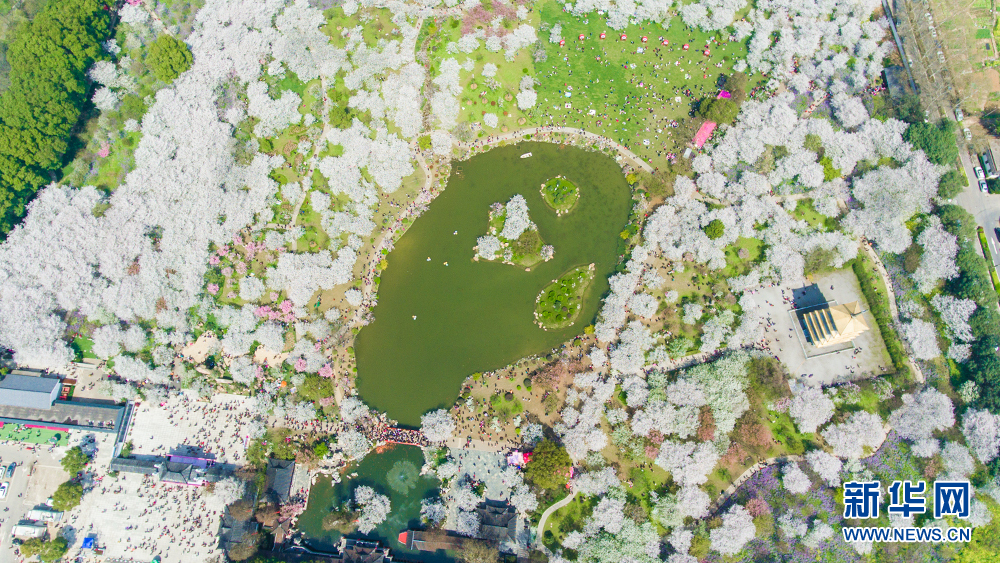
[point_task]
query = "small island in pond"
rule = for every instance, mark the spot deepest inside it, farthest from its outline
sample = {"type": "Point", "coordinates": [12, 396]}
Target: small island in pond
{"type": "Point", "coordinates": [559, 304]}
{"type": "Point", "coordinates": [513, 239]}
{"type": "Point", "coordinates": [560, 194]}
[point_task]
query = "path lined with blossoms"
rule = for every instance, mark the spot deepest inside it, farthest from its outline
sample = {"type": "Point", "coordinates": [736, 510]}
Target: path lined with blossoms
{"type": "Point", "coordinates": [753, 469]}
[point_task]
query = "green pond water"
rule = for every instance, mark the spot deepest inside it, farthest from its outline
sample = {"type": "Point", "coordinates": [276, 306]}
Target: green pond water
{"type": "Point", "coordinates": [394, 473]}
{"type": "Point", "coordinates": [478, 316]}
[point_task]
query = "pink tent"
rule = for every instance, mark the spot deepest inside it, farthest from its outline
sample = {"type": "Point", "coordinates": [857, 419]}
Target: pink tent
{"type": "Point", "coordinates": [704, 133]}
{"type": "Point", "coordinates": [724, 94]}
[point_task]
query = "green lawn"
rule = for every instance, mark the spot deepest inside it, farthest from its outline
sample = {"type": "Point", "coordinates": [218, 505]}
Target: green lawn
{"type": "Point", "coordinates": [618, 92]}
{"type": "Point", "coordinates": [83, 347]}
{"type": "Point", "coordinates": [805, 210]}
{"type": "Point", "coordinates": [32, 435]}
{"type": "Point", "coordinates": [736, 266]}
{"type": "Point", "coordinates": [567, 519]}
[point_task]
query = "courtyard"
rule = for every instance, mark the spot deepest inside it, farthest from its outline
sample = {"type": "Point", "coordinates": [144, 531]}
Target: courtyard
{"type": "Point", "coordinates": [818, 366]}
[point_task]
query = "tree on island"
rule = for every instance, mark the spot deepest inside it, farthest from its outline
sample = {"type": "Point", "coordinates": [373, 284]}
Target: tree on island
{"type": "Point", "coordinates": [549, 465]}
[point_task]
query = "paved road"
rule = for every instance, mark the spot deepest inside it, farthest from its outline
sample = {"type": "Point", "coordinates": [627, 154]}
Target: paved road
{"type": "Point", "coordinates": [984, 207]}
{"type": "Point", "coordinates": [939, 97]}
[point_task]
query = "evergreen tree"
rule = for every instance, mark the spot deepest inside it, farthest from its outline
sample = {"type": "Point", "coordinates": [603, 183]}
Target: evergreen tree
{"type": "Point", "coordinates": [168, 57]}
{"type": "Point", "coordinates": [548, 466]}
{"type": "Point", "coordinates": [48, 89]}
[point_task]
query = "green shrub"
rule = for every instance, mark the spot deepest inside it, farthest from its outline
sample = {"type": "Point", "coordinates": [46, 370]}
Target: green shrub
{"type": "Point", "coordinates": [868, 279]}
{"type": "Point", "coordinates": [715, 229]}
{"type": "Point", "coordinates": [168, 57]}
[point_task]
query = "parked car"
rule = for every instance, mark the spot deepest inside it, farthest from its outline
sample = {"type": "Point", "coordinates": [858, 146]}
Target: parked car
{"type": "Point", "coordinates": [983, 188]}
{"type": "Point", "coordinates": [10, 470]}
{"type": "Point", "coordinates": [996, 232]}
{"type": "Point", "coordinates": [3, 489]}
{"type": "Point", "coordinates": [959, 116]}
{"type": "Point", "coordinates": [967, 133]}
{"type": "Point", "coordinates": [980, 175]}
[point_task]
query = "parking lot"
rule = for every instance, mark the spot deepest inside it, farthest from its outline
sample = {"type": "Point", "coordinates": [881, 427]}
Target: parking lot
{"type": "Point", "coordinates": [25, 492]}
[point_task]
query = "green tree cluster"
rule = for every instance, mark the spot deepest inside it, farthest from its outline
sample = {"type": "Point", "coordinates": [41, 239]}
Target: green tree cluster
{"type": "Point", "coordinates": [48, 60]}
{"type": "Point", "coordinates": [168, 57]}
{"type": "Point", "coordinates": [661, 182]}
{"type": "Point", "coordinates": [725, 110]}
{"type": "Point", "coordinates": [937, 141]}
{"type": "Point", "coordinates": [51, 550]}
{"type": "Point", "coordinates": [548, 466]}
{"type": "Point", "coordinates": [973, 282]}
{"type": "Point", "coordinates": [67, 496]}
{"type": "Point", "coordinates": [75, 460]}
{"type": "Point", "coordinates": [951, 184]}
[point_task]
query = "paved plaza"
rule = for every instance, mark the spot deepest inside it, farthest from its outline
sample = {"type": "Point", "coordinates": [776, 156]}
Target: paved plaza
{"type": "Point", "coordinates": [217, 430]}
{"type": "Point", "coordinates": [867, 358]}
{"type": "Point", "coordinates": [488, 467]}
{"type": "Point", "coordinates": [136, 518]}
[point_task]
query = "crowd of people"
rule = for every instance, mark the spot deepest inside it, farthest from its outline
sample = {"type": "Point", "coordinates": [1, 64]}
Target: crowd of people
{"type": "Point", "coordinates": [140, 518]}
{"type": "Point", "coordinates": [214, 429]}
{"type": "Point", "coordinates": [385, 433]}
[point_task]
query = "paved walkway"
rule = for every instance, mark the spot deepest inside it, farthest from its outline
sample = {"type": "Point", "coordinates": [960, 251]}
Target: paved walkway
{"type": "Point", "coordinates": [547, 130]}
{"type": "Point", "coordinates": [548, 512]}
{"type": "Point", "coordinates": [753, 469]}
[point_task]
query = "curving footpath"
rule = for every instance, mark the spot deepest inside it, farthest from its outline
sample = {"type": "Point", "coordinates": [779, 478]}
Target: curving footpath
{"type": "Point", "coordinates": [548, 512]}
{"type": "Point", "coordinates": [753, 469]}
{"type": "Point", "coordinates": [604, 141]}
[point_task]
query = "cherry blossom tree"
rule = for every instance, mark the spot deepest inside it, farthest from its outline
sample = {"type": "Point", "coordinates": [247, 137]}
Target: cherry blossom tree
{"type": "Point", "coordinates": [433, 511]}
{"type": "Point", "coordinates": [981, 429]}
{"type": "Point", "coordinates": [736, 531]}
{"type": "Point", "coordinates": [228, 491]}
{"type": "Point", "coordinates": [487, 247]}
{"type": "Point", "coordinates": [375, 508]}
{"type": "Point", "coordinates": [955, 313]}
{"type": "Point", "coordinates": [629, 356]}
{"type": "Point", "coordinates": [353, 409]}
{"type": "Point", "coordinates": [850, 439]}
{"type": "Point", "coordinates": [688, 463]}
{"type": "Point", "coordinates": [922, 338]}
{"type": "Point", "coordinates": [938, 259]}
{"type": "Point", "coordinates": [922, 414]}
{"type": "Point", "coordinates": [596, 482]}
{"type": "Point", "coordinates": [437, 426]}
{"type": "Point", "coordinates": [795, 480]}
{"type": "Point", "coordinates": [354, 444]}
{"type": "Point", "coordinates": [827, 466]}
{"type": "Point", "coordinates": [526, 99]}
{"type": "Point", "coordinates": [516, 220]}
{"type": "Point", "coordinates": [958, 463]}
